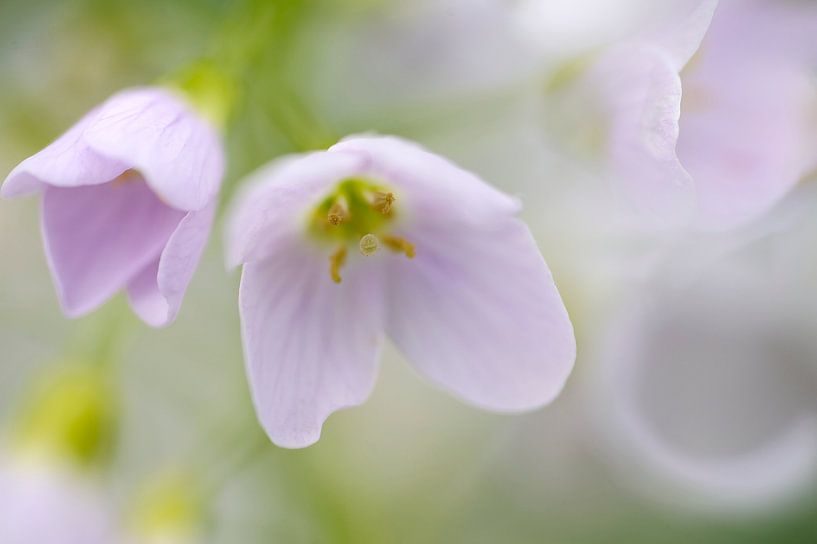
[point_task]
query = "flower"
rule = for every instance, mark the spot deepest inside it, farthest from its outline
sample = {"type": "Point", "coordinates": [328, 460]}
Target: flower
{"type": "Point", "coordinates": [50, 485]}
{"type": "Point", "coordinates": [43, 502]}
{"type": "Point", "coordinates": [378, 236]}
{"type": "Point", "coordinates": [705, 401]}
{"type": "Point", "coordinates": [129, 194]}
{"type": "Point", "coordinates": [709, 127]}
{"type": "Point", "coordinates": [169, 510]}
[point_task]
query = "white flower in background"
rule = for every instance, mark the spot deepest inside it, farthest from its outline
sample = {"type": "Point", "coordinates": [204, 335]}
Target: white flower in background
{"type": "Point", "coordinates": [374, 237]}
{"type": "Point", "coordinates": [414, 61]}
{"type": "Point", "coordinates": [49, 489]}
{"type": "Point", "coordinates": [711, 121]}
{"type": "Point", "coordinates": [706, 383]}
{"type": "Point", "coordinates": [46, 503]}
{"type": "Point", "coordinates": [563, 28]}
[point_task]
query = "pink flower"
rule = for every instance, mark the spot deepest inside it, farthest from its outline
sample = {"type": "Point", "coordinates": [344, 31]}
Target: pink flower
{"type": "Point", "coordinates": [129, 194]}
{"type": "Point", "coordinates": [711, 121]}
{"type": "Point", "coordinates": [375, 237]}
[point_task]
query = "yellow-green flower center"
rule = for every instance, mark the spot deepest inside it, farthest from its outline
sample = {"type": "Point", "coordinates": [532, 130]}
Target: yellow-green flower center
{"type": "Point", "coordinates": [359, 213]}
{"type": "Point", "coordinates": [71, 415]}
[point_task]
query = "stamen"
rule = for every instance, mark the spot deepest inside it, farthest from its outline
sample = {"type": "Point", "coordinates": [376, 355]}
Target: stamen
{"type": "Point", "coordinates": [336, 262]}
{"type": "Point", "coordinates": [337, 214]}
{"type": "Point", "coordinates": [383, 202]}
{"type": "Point", "coordinates": [401, 245]}
{"type": "Point", "coordinates": [369, 244]}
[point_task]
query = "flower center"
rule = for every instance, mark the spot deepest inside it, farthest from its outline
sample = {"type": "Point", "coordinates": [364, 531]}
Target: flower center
{"type": "Point", "coordinates": [357, 213]}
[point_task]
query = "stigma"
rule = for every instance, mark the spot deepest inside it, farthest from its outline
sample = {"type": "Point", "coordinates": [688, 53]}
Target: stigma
{"type": "Point", "coordinates": [368, 244]}
{"type": "Point", "coordinates": [357, 212]}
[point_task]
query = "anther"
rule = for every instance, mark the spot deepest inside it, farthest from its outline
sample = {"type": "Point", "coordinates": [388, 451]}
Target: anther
{"type": "Point", "coordinates": [400, 245]}
{"type": "Point", "coordinates": [369, 244]}
{"type": "Point", "coordinates": [336, 262]}
{"type": "Point", "coordinates": [383, 202]}
{"type": "Point", "coordinates": [337, 214]}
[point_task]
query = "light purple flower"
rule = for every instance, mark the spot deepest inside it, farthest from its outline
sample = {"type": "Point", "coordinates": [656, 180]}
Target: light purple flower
{"type": "Point", "coordinates": [129, 194]}
{"type": "Point", "coordinates": [457, 284]}
{"type": "Point", "coordinates": [711, 121]}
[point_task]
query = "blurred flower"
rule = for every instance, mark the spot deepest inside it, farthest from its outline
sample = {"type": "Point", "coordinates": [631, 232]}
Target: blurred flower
{"type": "Point", "coordinates": [706, 382]}
{"type": "Point", "coordinates": [48, 490]}
{"type": "Point", "coordinates": [167, 512]}
{"type": "Point", "coordinates": [48, 503]}
{"type": "Point", "coordinates": [713, 123]}
{"type": "Point", "coordinates": [418, 248]}
{"type": "Point", "coordinates": [567, 28]}
{"type": "Point", "coordinates": [129, 194]}
{"type": "Point", "coordinates": [415, 62]}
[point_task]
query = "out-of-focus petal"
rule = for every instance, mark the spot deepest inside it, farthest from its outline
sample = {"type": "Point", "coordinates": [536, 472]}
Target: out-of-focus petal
{"type": "Point", "coordinates": [270, 209]}
{"type": "Point", "coordinates": [681, 41]}
{"type": "Point", "coordinates": [310, 345]}
{"type": "Point", "coordinates": [156, 133]}
{"type": "Point", "coordinates": [642, 92]}
{"type": "Point", "coordinates": [702, 393]}
{"type": "Point", "coordinates": [746, 135]}
{"type": "Point", "coordinates": [97, 238]}
{"type": "Point", "coordinates": [429, 187]}
{"type": "Point", "coordinates": [477, 311]}
{"type": "Point", "coordinates": [44, 504]}
{"type": "Point", "coordinates": [156, 293]}
{"type": "Point", "coordinates": [67, 162]}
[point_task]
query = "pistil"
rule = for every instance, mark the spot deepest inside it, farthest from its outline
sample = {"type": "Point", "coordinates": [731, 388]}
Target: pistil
{"type": "Point", "coordinates": [369, 244]}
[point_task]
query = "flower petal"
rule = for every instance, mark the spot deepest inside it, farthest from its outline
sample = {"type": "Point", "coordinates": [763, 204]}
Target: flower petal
{"type": "Point", "coordinates": [270, 208]}
{"type": "Point", "coordinates": [310, 345]}
{"type": "Point", "coordinates": [746, 136]}
{"type": "Point", "coordinates": [155, 132]}
{"type": "Point", "coordinates": [681, 41]}
{"type": "Point", "coordinates": [156, 294]}
{"type": "Point", "coordinates": [477, 311]}
{"type": "Point", "coordinates": [435, 189]}
{"type": "Point", "coordinates": [642, 91]}
{"type": "Point", "coordinates": [144, 296]}
{"type": "Point", "coordinates": [99, 237]}
{"type": "Point", "coordinates": [67, 162]}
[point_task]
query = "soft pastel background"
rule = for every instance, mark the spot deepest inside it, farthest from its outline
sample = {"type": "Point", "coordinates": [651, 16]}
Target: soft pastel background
{"type": "Point", "coordinates": [709, 340]}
